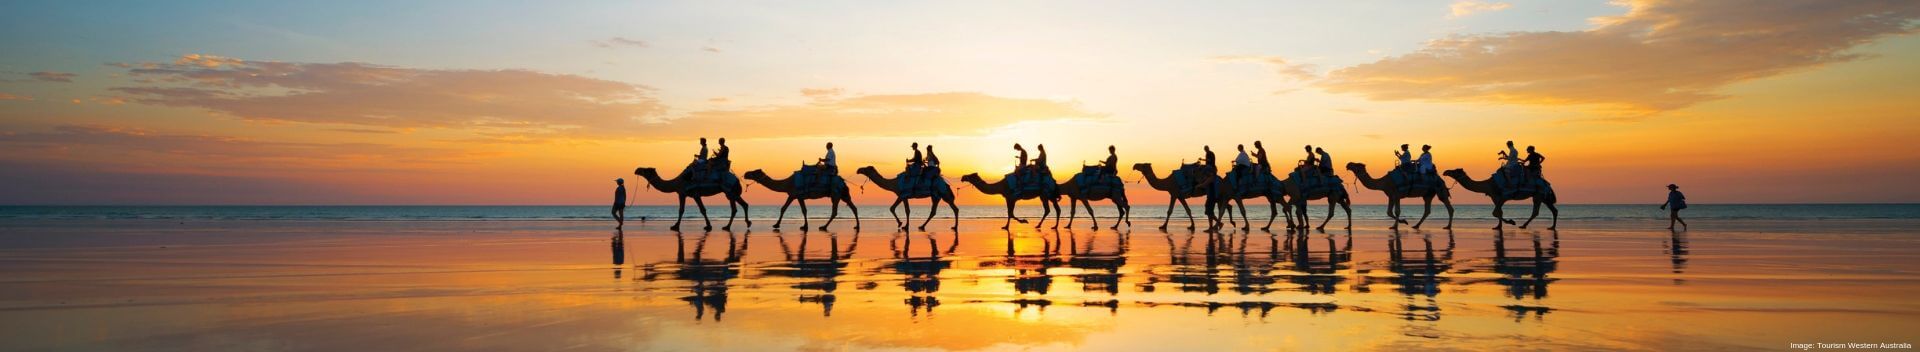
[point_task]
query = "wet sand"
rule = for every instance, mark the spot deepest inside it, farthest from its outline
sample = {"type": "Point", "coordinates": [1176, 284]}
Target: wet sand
{"type": "Point", "coordinates": [552, 285]}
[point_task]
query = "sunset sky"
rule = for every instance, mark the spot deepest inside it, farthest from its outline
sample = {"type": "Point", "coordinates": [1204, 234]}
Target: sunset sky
{"type": "Point", "coordinates": [496, 102]}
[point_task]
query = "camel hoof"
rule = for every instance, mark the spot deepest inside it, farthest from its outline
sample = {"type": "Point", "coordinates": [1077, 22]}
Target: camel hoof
{"type": "Point", "coordinates": [1266, 228]}
{"type": "Point", "coordinates": [708, 228]}
{"type": "Point", "coordinates": [1115, 227]}
{"type": "Point", "coordinates": [674, 228]}
{"type": "Point", "coordinates": [776, 226]}
{"type": "Point", "coordinates": [1163, 227]}
{"type": "Point", "coordinates": [1189, 227]}
{"type": "Point", "coordinates": [1321, 228]}
{"type": "Point", "coordinates": [923, 228]}
{"type": "Point", "coordinates": [955, 227]}
{"type": "Point", "coordinates": [1523, 227]}
{"type": "Point", "coordinates": [1552, 227]}
{"type": "Point", "coordinates": [856, 227]}
{"type": "Point", "coordinates": [726, 228]}
{"type": "Point", "coordinates": [1003, 227]}
{"type": "Point", "coordinates": [823, 227]}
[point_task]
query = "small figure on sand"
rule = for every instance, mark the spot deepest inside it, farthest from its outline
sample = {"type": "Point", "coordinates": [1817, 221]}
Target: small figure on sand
{"type": "Point", "coordinates": [1675, 202]}
{"type": "Point", "coordinates": [619, 203]}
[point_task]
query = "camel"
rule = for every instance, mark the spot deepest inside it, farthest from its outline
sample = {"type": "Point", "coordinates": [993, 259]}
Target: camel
{"type": "Point", "coordinates": [836, 192]}
{"type": "Point", "coordinates": [1544, 196]}
{"type": "Point", "coordinates": [1227, 193]}
{"type": "Point", "coordinates": [729, 186]}
{"type": "Point", "coordinates": [1172, 185]}
{"type": "Point", "coordinates": [1116, 193]}
{"type": "Point", "coordinates": [1388, 186]}
{"type": "Point", "coordinates": [1049, 201]}
{"type": "Point", "coordinates": [939, 192]}
{"type": "Point", "coordinates": [1335, 193]}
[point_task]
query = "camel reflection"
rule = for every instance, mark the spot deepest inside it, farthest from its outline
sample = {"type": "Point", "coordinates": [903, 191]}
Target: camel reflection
{"type": "Point", "coordinates": [818, 273]}
{"type": "Point", "coordinates": [1318, 272]}
{"type": "Point", "coordinates": [708, 276]}
{"type": "Point", "coordinates": [1524, 273]}
{"type": "Point", "coordinates": [922, 272]}
{"type": "Point", "coordinates": [1188, 270]}
{"type": "Point", "coordinates": [1418, 274]}
{"type": "Point", "coordinates": [1100, 267]}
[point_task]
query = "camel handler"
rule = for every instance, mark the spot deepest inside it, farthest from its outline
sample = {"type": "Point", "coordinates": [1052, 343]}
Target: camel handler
{"type": "Point", "coordinates": [619, 203]}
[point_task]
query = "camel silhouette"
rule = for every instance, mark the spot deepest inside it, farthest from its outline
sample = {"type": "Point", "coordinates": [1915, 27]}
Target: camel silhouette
{"type": "Point", "coordinates": [1049, 201]}
{"type": "Point", "coordinates": [1391, 186]}
{"type": "Point", "coordinates": [1542, 196]}
{"type": "Point", "coordinates": [833, 189]}
{"type": "Point", "coordinates": [1335, 193]}
{"type": "Point", "coordinates": [938, 192]}
{"type": "Point", "coordinates": [1232, 190]}
{"type": "Point", "coordinates": [1176, 192]}
{"type": "Point", "coordinates": [1113, 189]}
{"type": "Point", "coordinates": [726, 184]}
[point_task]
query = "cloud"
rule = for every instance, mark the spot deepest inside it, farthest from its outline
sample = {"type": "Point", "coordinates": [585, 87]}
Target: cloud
{"type": "Point", "coordinates": [953, 113]}
{"type": "Point", "coordinates": [1464, 8]}
{"type": "Point", "coordinates": [710, 49]}
{"type": "Point", "coordinates": [368, 95]}
{"type": "Point", "coordinates": [50, 76]}
{"type": "Point", "coordinates": [1661, 55]}
{"type": "Point", "coordinates": [210, 148]}
{"type": "Point", "coordinates": [1288, 69]}
{"type": "Point", "coordinates": [820, 93]}
{"type": "Point", "coordinates": [720, 100]}
{"type": "Point", "coordinates": [620, 42]}
{"type": "Point", "coordinates": [11, 96]}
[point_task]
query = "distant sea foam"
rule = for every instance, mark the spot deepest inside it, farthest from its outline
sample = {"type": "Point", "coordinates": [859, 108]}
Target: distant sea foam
{"type": "Point", "coordinates": [873, 212]}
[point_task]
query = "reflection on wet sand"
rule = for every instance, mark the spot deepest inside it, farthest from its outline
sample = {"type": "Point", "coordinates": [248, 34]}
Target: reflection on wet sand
{"type": "Point", "coordinates": [1367, 289]}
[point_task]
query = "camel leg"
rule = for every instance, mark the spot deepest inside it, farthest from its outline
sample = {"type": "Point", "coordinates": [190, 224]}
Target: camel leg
{"type": "Point", "coordinates": [956, 215]}
{"type": "Point", "coordinates": [1075, 207]}
{"type": "Point", "coordinates": [1323, 223]}
{"type": "Point", "coordinates": [1556, 216]}
{"type": "Point", "coordinates": [1246, 223]}
{"type": "Point", "coordinates": [1346, 207]}
{"type": "Point", "coordinates": [1126, 212]}
{"type": "Point", "coordinates": [1449, 203]}
{"type": "Point", "coordinates": [1273, 211]}
{"type": "Point", "coordinates": [805, 221]}
{"type": "Point", "coordinates": [1426, 210]}
{"type": "Point", "coordinates": [1171, 200]}
{"type": "Point", "coordinates": [1393, 212]}
{"type": "Point", "coordinates": [1189, 209]}
{"type": "Point", "coordinates": [732, 210]}
{"type": "Point", "coordinates": [854, 209]}
{"type": "Point", "coordinates": [703, 212]}
{"type": "Point", "coordinates": [1046, 211]}
{"type": "Point", "coordinates": [833, 208]}
{"type": "Point", "coordinates": [1499, 219]}
{"type": "Point", "coordinates": [896, 215]}
{"type": "Point", "coordinates": [1536, 213]}
{"type": "Point", "coordinates": [745, 209]}
{"type": "Point", "coordinates": [677, 215]}
{"type": "Point", "coordinates": [1010, 216]}
{"type": "Point", "coordinates": [783, 213]}
{"type": "Point", "coordinates": [1090, 216]}
{"type": "Point", "coordinates": [933, 210]}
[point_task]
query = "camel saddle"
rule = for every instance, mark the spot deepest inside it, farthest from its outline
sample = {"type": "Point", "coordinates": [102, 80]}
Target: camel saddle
{"type": "Point", "coordinates": [816, 180]}
{"type": "Point", "coordinates": [1031, 180]}
{"type": "Point", "coordinates": [1248, 180]}
{"type": "Point", "coordinates": [1095, 178]}
{"type": "Point", "coordinates": [1313, 181]}
{"type": "Point", "coordinates": [1407, 180]}
{"type": "Point", "coordinates": [1515, 183]}
{"type": "Point", "coordinates": [920, 180]}
{"type": "Point", "coordinates": [710, 174]}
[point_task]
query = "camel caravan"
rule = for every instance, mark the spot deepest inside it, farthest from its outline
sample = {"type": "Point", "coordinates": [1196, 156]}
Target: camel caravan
{"type": "Point", "coordinates": [1250, 176]}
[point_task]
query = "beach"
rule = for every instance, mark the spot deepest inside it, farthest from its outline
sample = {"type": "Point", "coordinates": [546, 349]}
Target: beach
{"type": "Point", "coordinates": [319, 285]}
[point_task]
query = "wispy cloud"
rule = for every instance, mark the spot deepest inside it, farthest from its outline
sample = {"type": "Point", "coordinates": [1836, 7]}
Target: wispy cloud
{"type": "Point", "coordinates": [51, 76]}
{"type": "Point", "coordinates": [1661, 55]}
{"type": "Point", "coordinates": [397, 97]}
{"type": "Point", "coordinates": [619, 42]}
{"type": "Point", "coordinates": [821, 93]}
{"type": "Point", "coordinates": [954, 113]}
{"type": "Point", "coordinates": [1464, 8]}
{"type": "Point", "coordinates": [1286, 68]}
{"type": "Point", "coordinates": [11, 96]}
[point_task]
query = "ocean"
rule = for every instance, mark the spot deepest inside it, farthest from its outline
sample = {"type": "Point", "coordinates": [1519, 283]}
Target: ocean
{"type": "Point", "coordinates": [874, 212]}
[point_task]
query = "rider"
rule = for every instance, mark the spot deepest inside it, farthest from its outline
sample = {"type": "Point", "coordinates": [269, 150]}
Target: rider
{"type": "Point", "coordinates": [1512, 165]}
{"type": "Point", "coordinates": [1040, 162]}
{"type": "Point", "coordinates": [1310, 162]}
{"type": "Point", "coordinates": [1426, 160]}
{"type": "Point", "coordinates": [1112, 164]}
{"type": "Point", "coordinates": [917, 161]}
{"type": "Point", "coordinates": [702, 157]}
{"type": "Point", "coordinates": [1242, 160]}
{"type": "Point", "coordinates": [1533, 162]}
{"type": "Point", "coordinates": [1326, 162]}
{"type": "Point", "coordinates": [1260, 158]}
{"type": "Point", "coordinates": [1406, 157]}
{"type": "Point", "coordinates": [830, 164]}
{"type": "Point", "coordinates": [1212, 168]}
{"type": "Point", "coordinates": [1022, 166]}
{"type": "Point", "coordinates": [722, 157]}
{"type": "Point", "coordinates": [933, 161]}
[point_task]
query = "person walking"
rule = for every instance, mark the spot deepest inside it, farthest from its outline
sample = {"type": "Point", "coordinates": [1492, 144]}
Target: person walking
{"type": "Point", "coordinates": [1675, 202]}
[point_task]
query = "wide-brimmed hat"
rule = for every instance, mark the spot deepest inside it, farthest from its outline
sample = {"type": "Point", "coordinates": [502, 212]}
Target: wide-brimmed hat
{"type": "Point", "coordinates": [1672, 186]}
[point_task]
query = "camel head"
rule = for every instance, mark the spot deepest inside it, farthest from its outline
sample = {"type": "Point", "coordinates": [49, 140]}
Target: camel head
{"type": "Point", "coordinates": [1143, 167]}
{"type": "Point", "coordinates": [1356, 167]}
{"type": "Point", "coordinates": [755, 175]}
{"type": "Point", "coordinates": [973, 177]}
{"type": "Point", "coordinates": [1458, 173]}
{"type": "Point", "coordinates": [866, 170]}
{"type": "Point", "coordinates": [645, 172]}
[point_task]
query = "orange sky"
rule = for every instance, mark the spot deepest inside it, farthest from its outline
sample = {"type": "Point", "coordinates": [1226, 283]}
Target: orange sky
{"type": "Point", "coordinates": [1774, 103]}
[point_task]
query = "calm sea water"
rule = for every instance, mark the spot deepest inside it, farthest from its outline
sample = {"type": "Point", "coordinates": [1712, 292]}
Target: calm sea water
{"type": "Point", "coordinates": [873, 212]}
